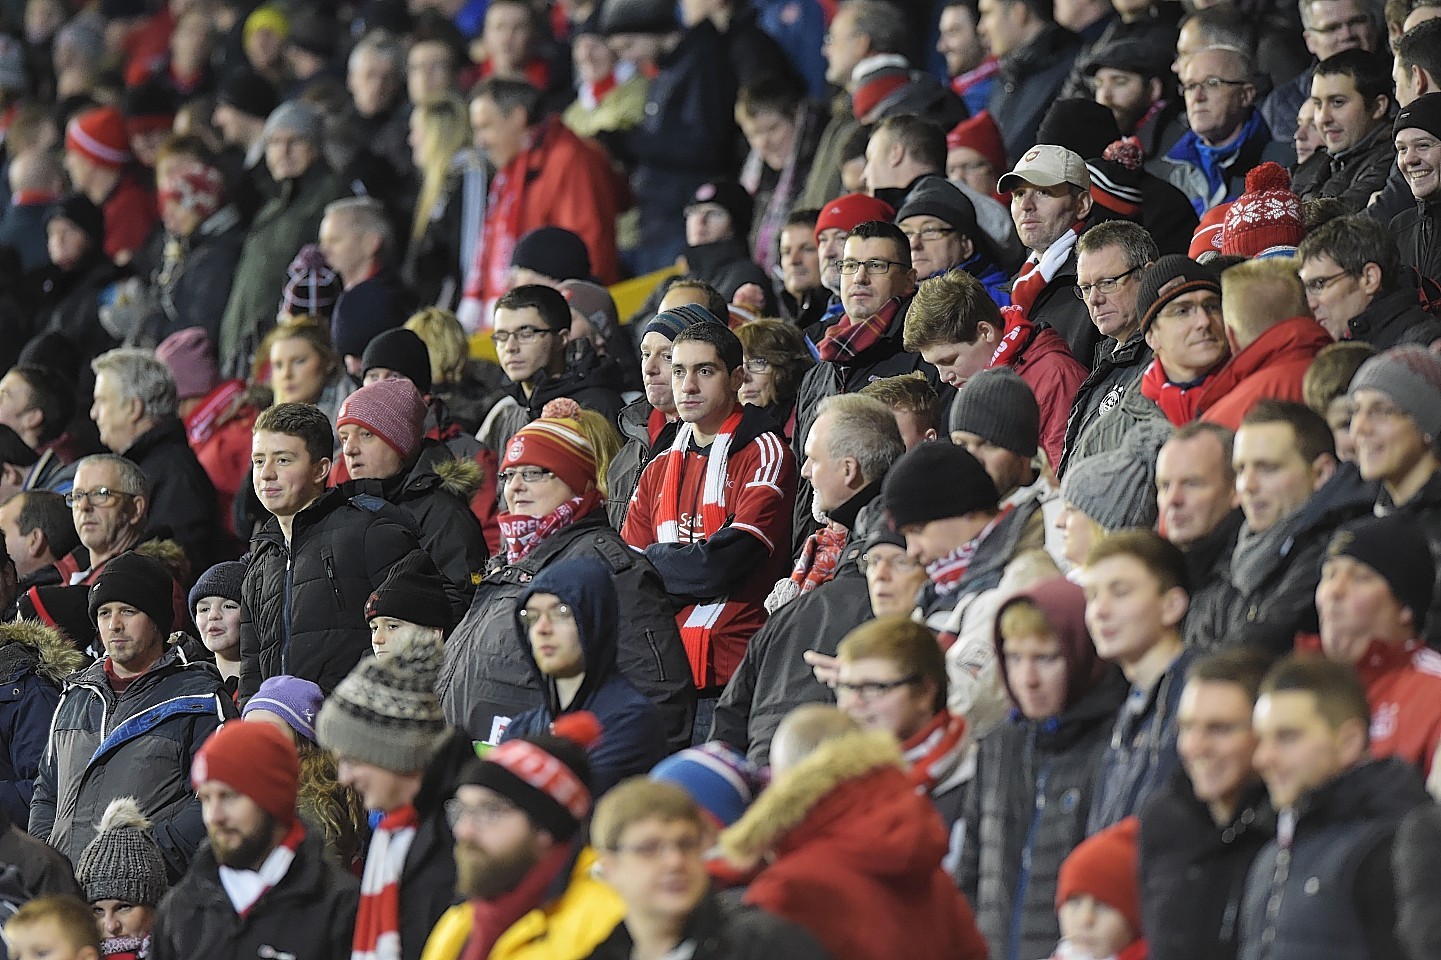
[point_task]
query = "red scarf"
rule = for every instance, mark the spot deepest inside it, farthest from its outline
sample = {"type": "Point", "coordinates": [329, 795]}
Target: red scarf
{"type": "Point", "coordinates": [847, 339]}
{"type": "Point", "coordinates": [490, 277]}
{"type": "Point", "coordinates": [1017, 335]}
{"type": "Point", "coordinates": [591, 94]}
{"type": "Point", "coordinates": [931, 752]}
{"type": "Point", "coordinates": [377, 921]}
{"type": "Point", "coordinates": [819, 557]}
{"type": "Point", "coordinates": [947, 573]}
{"type": "Point", "coordinates": [523, 534]}
{"type": "Point", "coordinates": [1037, 273]}
{"type": "Point", "coordinates": [200, 425]}
{"type": "Point", "coordinates": [491, 918]}
{"type": "Point", "coordinates": [1178, 402]}
{"type": "Point", "coordinates": [654, 424]}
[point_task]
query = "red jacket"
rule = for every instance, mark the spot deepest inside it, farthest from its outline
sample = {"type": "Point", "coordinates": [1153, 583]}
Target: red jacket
{"type": "Point", "coordinates": [221, 441]}
{"type": "Point", "coordinates": [130, 212]}
{"type": "Point", "coordinates": [857, 857]}
{"type": "Point", "coordinates": [1269, 369]}
{"type": "Point", "coordinates": [1054, 375]}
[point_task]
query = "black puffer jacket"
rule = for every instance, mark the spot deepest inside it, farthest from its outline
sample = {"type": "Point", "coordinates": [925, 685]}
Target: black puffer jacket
{"type": "Point", "coordinates": [1392, 319]}
{"type": "Point", "coordinates": [590, 380]}
{"type": "Point", "coordinates": [310, 913]}
{"type": "Point", "coordinates": [1193, 870]}
{"type": "Point", "coordinates": [1418, 234]}
{"type": "Point", "coordinates": [182, 498]}
{"type": "Point", "coordinates": [485, 675]}
{"type": "Point", "coordinates": [303, 603]}
{"type": "Point", "coordinates": [1416, 862]}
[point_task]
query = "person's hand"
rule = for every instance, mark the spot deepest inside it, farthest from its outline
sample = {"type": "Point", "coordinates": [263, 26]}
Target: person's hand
{"type": "Point", "coordinates": [827, 669]}
{"type": "Point", "coordinates": [751, 297]}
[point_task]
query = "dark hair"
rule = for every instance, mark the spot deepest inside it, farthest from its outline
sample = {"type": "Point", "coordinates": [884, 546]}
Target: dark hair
{"type": "Point", "coordinates": [881, 230]}
{"type": "Point", "coordinates": [784, 346]}
{"type": "Point", "coordinates": [771, 92]}
{"type": "Point", "coordinates": [546, 301]}
{"type": "Point", "coordinates": [52, 394]}
{"type": "Point", "coordinates": [715, 301]}
{"type": "Point", "coordinates": [1367, 71]}
{"type": "Point", "coordinates": [1313, 436]}
{"type": "Point", "coordinates": [923, 141]}
{"type": "Point", "coordinates": [508, 95]}
{"type": "Point", "coordinates": [727, 345]}
{"type": "Point", "coordinates": [1316, 211]}
{"type": "Point", "coordinates": [1160, 556]}
{"type": "Point", "coordinates": [1335, 687]}
{"type": "Point", "coordinates": [45, 511]}
{"type": "Point", "coordinates": [806, 217]}
{"type": "Point", "coordinates": [1421, 47]}
{"type": "Point", "coordinates": [301, 420]}
{"type": "Point", "coordinates": [1244, 666]}
{"type": "Point", "coordinates": [1353, 242]}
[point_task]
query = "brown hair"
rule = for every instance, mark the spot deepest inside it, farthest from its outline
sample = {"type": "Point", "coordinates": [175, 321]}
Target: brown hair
{"type": "Point", "coordinates": [1161, 557]}
{"type": "Point", "coordinates": [72, 915]}
{"type": "Point", "coordinates": [639, 799]}
{"type": "Point", "coordinates": [1335, 688]}
{"type": "Point", "coordinates": [949, 309]}
{"type": "Point", "coordinates": [911, 646]}
{"type": "Point", "coordinates": [1329, 375]}
{"type": "Point", "coordinates": [784, 346]}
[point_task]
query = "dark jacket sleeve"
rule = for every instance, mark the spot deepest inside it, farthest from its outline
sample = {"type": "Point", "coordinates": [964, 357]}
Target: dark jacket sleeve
{"type": "Point", "coordinates": [1416, 861]}
{"type": "Point", "coordinates": [694, 92]}
{"type": "Point", "coordinates": [27, 714]}
{"type": "Point", "coordinates": [1270, 619]}
{"type": "Point", "coordinates": [968, 869]}
{"type": "Point", "coordinates": [711, 568]}
{"type": "Point", "coordinates": [42, 802]}
{"type": "Point", "coordinates": [732, 711]}
{"type": "Point", "coordinates": [251, 593]}
{"type": "Point", "coordinates": [1376, 903]}
{"type": "Point", "coordinates": [179, 836]}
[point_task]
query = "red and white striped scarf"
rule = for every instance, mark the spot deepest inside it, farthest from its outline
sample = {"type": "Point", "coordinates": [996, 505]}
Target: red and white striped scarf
{"type": "Point", "coordinates": [246, 887]}
{"type": "Point", "coordinates": [1038, 272]}
{"type": "Point", "coordinates": [377, 921]}
{"type": "Point", "coordinates": [695, 631]}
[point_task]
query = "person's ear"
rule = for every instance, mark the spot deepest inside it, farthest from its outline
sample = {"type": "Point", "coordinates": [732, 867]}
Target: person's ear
{"type": "Point", "coordinates": [1351, 738]}
{"type": "Point", "coordinates": [987, 331]}
{"type": "Point", "coordinates": [321, 471]}
{"type": "Point", "coordinates": [1248, 94]}
{"type": "Point", "coordinates": [1174, 603]}
{"type": "Point", "coordinates": [1381, 107]}
{"type": "Point", "coordinates": [1323, 467]}
{"type": "Point", "coordinates": [1371, 279]}
{"type": "Point", "coordinates": [1083, 202]}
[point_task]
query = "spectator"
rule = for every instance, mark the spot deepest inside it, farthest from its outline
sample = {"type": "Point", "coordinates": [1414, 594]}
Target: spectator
{"type": "Point", "coordinates": [445, 166]}
{"type": "Point", "coordinates": [34, 662]}
{"type": "Point", "coordinates": [1201, 829]}
{"type": "Point", "coordinates": [1417, 133]}
{"type": "Point", "coordinates": [1110, 491]}
{"type": "Point", "coordinates": [1199, 513]}
{"type": "Point", "coordinates": [1131, 78]}
{"type": "Point", "coordinates": [1179, 303]}
{"type": "Point", "coordinates": [520, 853]}
{"type": "Point", "coordinates": [98, 159]}
{"type": "Point", "coordinates": [358, 242]}
{"type": "Point", "coordinates": [1352, 96]}
{"type": "Point", "coordinates": [777, 356]}
{"type": "Point", "coordinates": [16, 459]}
{"type": "Point", "coordinates": [307, 582]}
{"type": "Point", "coordinates": [611, 94]}
{"type": "Point", "coordinates": [970, 66]}
{"type": "Point", "coordinates": [554, 512]}
{"type": "Point", "coordinates": [135, 411]}
{"type": "Point", "coordinates": [913, 402]}
{"type": "Point", "coordinates": [58, 925]}
{"type": "Point", "coordinates": [1035, 56]}
{"type": "Point", "coordinates": [130, 603]}
{"type": "Point", "coordinates": [1340, 810]}
{"type": "Point", "coordinates": [802, 298]}
{"type": "Point", "coordinates": [1111, 257]}
{"type": "Point", "coordinates": [956, 327]}
{"type": "Point", "coordinates": [248, 776]}
{"type": "Point", "coordinates": [827, 874]}
{"type": "Point", "coordinates": [833, 228]}
{"type": "Point", "coordinates": [939, 220]}
{"type": "Point", "coordinates": [782, 130]}
{"type": "Point", "coordinates": [215, 608]}
{"type": "Point", "coordinates": [1136, 597]}
{"type": "Point", "coordinates": [38, 405]}
{"type": "Point", "coordinates": [975, 154]}
{"type": "Point", "coordinates": [1327, 385]}
{"type": "Point", "coordinates": [1272, 339]}
{"type": "Point", "coordinates": [65, 293]}
{"type": "Point", "coordinates": [407, 608]}
{"type": "Point", "coordinates": [1050, 200]}
{"type": "Point", "coordinates": [242, 103]}
{"type": "Point", "coordinates": [1064, 703]}
{"type": "Point", "coordinates": [1327, 27]}
{"type": "Point", "coordinates": [304, 367]}
{"type": "Point", "coordinates": [311, 289]}
{"type": "Point", "coordinates": [36, 181]}
{"type": "Point", "coordinates": [375, 77]}
{"type": "Point", "coordinates": [1097, 901]}
{"type": "Point", "coordinates": [122, 876]}
{"type": "Point", "coordinates": [39, 535]}
{"type": "Point", "coordinates": [717, 220]}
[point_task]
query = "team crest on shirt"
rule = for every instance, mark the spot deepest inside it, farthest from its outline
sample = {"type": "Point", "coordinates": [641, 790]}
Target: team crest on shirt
{"type": "Point", "coordinates": [1112, 397]}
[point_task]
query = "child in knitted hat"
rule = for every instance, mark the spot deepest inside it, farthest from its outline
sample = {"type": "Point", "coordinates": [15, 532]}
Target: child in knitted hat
{"type": "Point", "coordinates": [215, 607]}
{"type": "Point", "coordinates": [1098, 900]}
{"type": "Point", "coordinates": [122, 876]}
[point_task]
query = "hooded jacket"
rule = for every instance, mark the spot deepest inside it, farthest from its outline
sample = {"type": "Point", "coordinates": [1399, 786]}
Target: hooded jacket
{"type": "Point", "coordinates": [34, 661]}
{"type": "Point", "coordinates": [1054, 375]}
{"type": "Point", "coordinates": [1010, 860]}
{"type": "Point", "coordinates": [856, 856]}
{"type": "Point", "coordinates": [633, 736]}
{"type": "Point", "coordinates": [1271, 368]}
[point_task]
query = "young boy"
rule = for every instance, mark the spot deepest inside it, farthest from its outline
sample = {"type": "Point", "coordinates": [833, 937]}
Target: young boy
{"type": "Point", "coordinates": [1098, 900]}
{"type": "Point", "coordinates": [53, 928]}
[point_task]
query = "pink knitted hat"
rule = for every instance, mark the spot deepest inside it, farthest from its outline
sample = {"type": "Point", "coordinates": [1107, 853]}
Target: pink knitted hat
{"type": "Point", "coordinates": [392, 410]}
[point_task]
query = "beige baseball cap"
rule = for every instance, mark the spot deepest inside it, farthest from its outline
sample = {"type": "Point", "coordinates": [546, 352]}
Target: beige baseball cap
{"type": "Point", "coordinates": [1046, 165]}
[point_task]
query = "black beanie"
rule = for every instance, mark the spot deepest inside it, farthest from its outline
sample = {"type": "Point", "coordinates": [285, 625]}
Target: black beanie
{"type": "Point", "coordinates": [733, 198]}
{"type": "Point", "coordinates": [1082, 126]}
{"type": "Point", "coordinates": [547, 775]}
{"type": "Point", "coordinates": [1395, 547]}
{"type": "Point", "coordinates": [248, 92]}
{"type": "Point", "coordinates": [140, 581]}
{"type": "Point", "coordinates": [936, 481]}
{"type": "Point", "coordinates": [63, 607]}
{"type": "Point", "coordinates": [1423, 113]}
{"type": "Point", "coordinates": [412, 592]}
{"type": "Point", "coordinates": [400, 350]}
{"type": "Point", "coordinates": [553, 251]}
{"type": "Point", "coordinates": [87, 217]}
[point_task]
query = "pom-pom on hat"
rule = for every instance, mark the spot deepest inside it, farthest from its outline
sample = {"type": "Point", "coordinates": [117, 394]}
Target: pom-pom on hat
{"type": "Point", "coordinates": [1266, 219]}
{"type": "Point", "coordinates": [123, 862]}
{"type": "Point", "coordinates": [99, 136]}
{"type": "Point", "coordinates": [392, 410]}
{"type": "Point", "coordinates": [556, 445]}
{"type": "Point", "coordinates": [547, 775]}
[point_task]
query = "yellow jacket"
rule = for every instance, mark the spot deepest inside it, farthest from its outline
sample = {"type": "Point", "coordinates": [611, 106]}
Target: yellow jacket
{"type": "Point", "coordinates": [570, 928]}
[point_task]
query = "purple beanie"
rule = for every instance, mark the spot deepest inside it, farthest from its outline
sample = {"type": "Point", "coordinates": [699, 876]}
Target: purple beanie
{"type": "Point", "coordinates": [188, 355]}
{"type": "Point", "coordinates": [294, 700]}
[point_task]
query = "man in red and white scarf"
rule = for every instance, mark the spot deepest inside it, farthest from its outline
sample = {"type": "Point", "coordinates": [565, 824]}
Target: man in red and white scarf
{"type": "Point", "coordinates": [713, 513]}
{"type": "Point", "coordinates": [1179, 304]}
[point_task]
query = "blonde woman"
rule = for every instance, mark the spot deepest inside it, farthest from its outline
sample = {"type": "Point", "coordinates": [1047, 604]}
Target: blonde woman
{"type": "Point", "coordinates": [440, 149]}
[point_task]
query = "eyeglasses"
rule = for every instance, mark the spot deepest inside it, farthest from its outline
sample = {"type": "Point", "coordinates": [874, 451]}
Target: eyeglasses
{"type": "Point", "coordinates": [929, 234]}
{"type": "Point", "coordinates": [528, 474]}
{"type": "Point", "coordinates": [874, 689]}
{"type": "Point", "coordinates": [560, 613]}
{"type": "Point", "coordinates": [1210, 84]}
{"type": "Point", "coordinates": [99, 497]}
{"type": "Point", "coordinates": [480, 813]}
{"type": "Point", "coordinates": [1319, 284]}
{"type": "Point", "coordinates": [523, 335]}
{"type": "Point", "coordinates": [1106, 285]}
{"type": "Point", "coordinates": [1354, 23]}
{"type": "Point", "coordinates": [653, 850]}
{"type": "Point", "coordinates": [1184, 311]}
{"type": "Point", "coordinates": [877, 267]}
{"type": "Point", "coordinates": [758, 365]}
{"type": "Point", "coordinates": [900, 563]}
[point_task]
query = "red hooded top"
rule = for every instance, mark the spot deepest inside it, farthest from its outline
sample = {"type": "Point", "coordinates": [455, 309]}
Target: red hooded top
{"type": "Point", "coordinates": [1269, 369]}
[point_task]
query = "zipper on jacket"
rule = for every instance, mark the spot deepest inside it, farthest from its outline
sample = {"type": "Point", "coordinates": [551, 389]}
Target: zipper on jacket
{"type": "Point", "coordinates": [655, 653]}
{"type": "Point", "coordinates": [334, 587]}
{"type": "Point", "coordinates": [1023, 879]}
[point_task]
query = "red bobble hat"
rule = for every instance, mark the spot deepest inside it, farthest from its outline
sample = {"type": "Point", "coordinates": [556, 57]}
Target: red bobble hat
{"type": "Point", "coordinates": [981, 134]}
{"type": "Point", "coordinates": [255, 759]}
{"type": "Point", "coordinates": [391, 409]}
{"type": "Point", "coordinates": [1104, 867]}
{"type": "Point", "coordinates": [554, 444]}
{"type": "Point", "coordinates": [1266, 219]}
{"type": "Point", "coordinates": [1207, 238]}
{"type": "Point", "coordinates": [99, 136]}
{"type": "Point", "coordinates": [850, 211]}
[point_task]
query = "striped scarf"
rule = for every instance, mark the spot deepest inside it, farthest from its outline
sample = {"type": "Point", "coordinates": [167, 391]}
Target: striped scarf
{"type": "Point", "coordinates": [847, 339]}
{"type": "Point", "coordinates": [696, 629]}
{"type": "Point", "coordinates": [377, 921]}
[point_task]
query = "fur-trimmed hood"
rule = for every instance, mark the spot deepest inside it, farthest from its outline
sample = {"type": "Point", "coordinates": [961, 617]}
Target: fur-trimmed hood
{"type": "Point", "coordinates": [54, 657]}
{"type": "Point", "coordinates": [798, 799]}
{"type": "Point", "coordinates": [460, 477]}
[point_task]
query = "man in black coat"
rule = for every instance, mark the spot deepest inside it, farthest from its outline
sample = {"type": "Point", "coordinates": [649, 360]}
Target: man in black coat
{"type": "Point", "coordinates": [280, 895]}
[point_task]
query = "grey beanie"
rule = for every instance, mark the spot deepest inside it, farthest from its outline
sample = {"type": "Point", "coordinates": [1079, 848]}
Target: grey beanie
{"type": "Point", "coordinates": [1117, 488]}
{"type": "Point", "coordinates": [222, 580]}
{"type": "Point", "coordinates": [123, 862]}
{"type": "Point", "coordinates": [386, 712]}
{"type": "Point", "coordinates": [1411, 376]}
{"type": "Point", "coordinates": [1000, 408]}
{"type": "Point", "coordinates": [298, 118]}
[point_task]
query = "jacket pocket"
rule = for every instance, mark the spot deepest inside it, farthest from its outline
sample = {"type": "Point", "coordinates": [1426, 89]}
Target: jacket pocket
{"type": "Point", "coordinates": [327, 558]}
{"type": "Point", "coordinates": [655, 655]}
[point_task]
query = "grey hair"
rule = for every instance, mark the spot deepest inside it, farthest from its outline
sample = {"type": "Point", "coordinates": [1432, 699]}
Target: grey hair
{"type": "Point", "coordinates": [384, 44]}
{"type": "Point", "coordinates": [1244, 59]}
{"type": "Point", "coordinates": [877, 22]}
{"type": "Point", "coordinates": [865, 430]}
{"type": "Point", "coordinates": [367, 215]}
{"type": "Point", "coordinates": [1133, 239]}
{"type": "Point", "coordinates": [138, 375]}
{"type": "Point", "coordinates": [132, 478]}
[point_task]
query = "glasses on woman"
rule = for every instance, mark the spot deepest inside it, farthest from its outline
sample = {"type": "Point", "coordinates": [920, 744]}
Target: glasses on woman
{"type": "Point", "coordinates": [528, 474]}
{"type": "Point", "coordinates": [758, 365]}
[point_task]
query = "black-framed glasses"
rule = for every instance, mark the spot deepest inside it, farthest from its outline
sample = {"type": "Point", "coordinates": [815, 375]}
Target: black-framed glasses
{"type": "Point", "coordinates": [900, 562]}
{"type": "Point", "coordinates": [560, 613]}
{"type": "Point", "coordinates": [522, 335]}
{"type": "Point", "coordinates": [528, 474]}
{"type": "Point", "coordinates": [874, 689]}
{"type": "Point", "coordinates": [99, 497]}
{"type": "Point", "coordinates": [929, 234]}
{"type": "Point", "coordinates": [1105, 285]}
{"type": "Point", "coordinates": [1210, 85]}
{"type": "Point", "coordinates": [1319, 284]}
{"type": "Point", "coordinates": [758, 365]}
{"type": "Point", "coordinates": [876, 267]}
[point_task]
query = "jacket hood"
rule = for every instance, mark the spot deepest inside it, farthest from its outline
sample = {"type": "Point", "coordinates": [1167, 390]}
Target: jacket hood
{"type": "Point", "coordinates": [852, 796]}
{"type": "Point", "coordinates": [584, 585]}
{"type": "Point", "coordinates": [459, 477]}
{"type": "Point", "coordinates": [1299, 338]}
{"type": "Point", "coordinates": [55, 658]}
{"type": "Point", "coordinates": [1064, 606]}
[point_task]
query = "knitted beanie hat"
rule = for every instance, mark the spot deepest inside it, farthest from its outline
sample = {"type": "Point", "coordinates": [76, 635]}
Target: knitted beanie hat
{"type": "Point", "coordinates": [1395, 547]}
{"type": "Point", "coordinates": [191, 361]}
{"type": "Point", "coordinates": [936, 481]}
{"type": "Point", "coordinates": [1266, 219]}
{"type": "Point", "coordinates": [123, 862]}
{"type": "Point", "coordinates": [99, 136]}
{"type": "Point", "coordinates": [547, 775]}
{"type": "Point", "coordinates": [1168, 278]}
{"type": "Point", "coordinates": [222, 580]}
{"type": "Point", "coordinates": [1411, 376]}
{"type": "Point", "coordinates": [1423, 113]}
{"type": "Point", "coordinates": [1206, 241]}
{"type": "Point", "coordinates": [386, 712]}
{"type": "Point", "coordinates": [311, 286]}
{"type": "Point", "coordinates": [1079, 124]}
{"type": "Point", "coordinates": [1117, 488]}
{"type": "Point", "coordinates": [938, 197]}
{"type": "Point", "coordinates": [392, 410]}
{"type": "Point", "coordinates": [400, 350]}
{"type": "Point", "coordinates": [149, 107]}
{"type": "Point", "coordinates": [295, 117]}
{"type": "Point", "coordinates": [1104, 866]}
{"type": "Point", "coordinates": [732, 197]}
{"type": "Point", "coordinates": [84, 214]}
{"type": "Point", "coordinates": [557, 445]}
{"type": "Point", "coordinates": [981, 134]}
{"type": "Point", "coordinates": [999, 407]}
{"type": "Point", "coordinates": [669, 323]}
{"type": "Point", "coordinates": [593, 302]}
{"type": "Point", "coordinates": [553, 251]}
{"type": "Point", "coordinates": [140, 581]}
{"type": "Point", "coordinates": [850, 211]}
{"type": "Point", "coordinates": [269, 17]}
{"type": "Point", "coordinates": [718, 777]}
{"type": "Point", "coordinates": [255, 759]}
{"type": "Point", "coordinates": [412, 592]}
{"type": "Point", "coordinates": [248, 92]}
{"type": "Point", "coordinates": [292, 699]}
{"type": "Point", "coordinates": [877, 86]}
